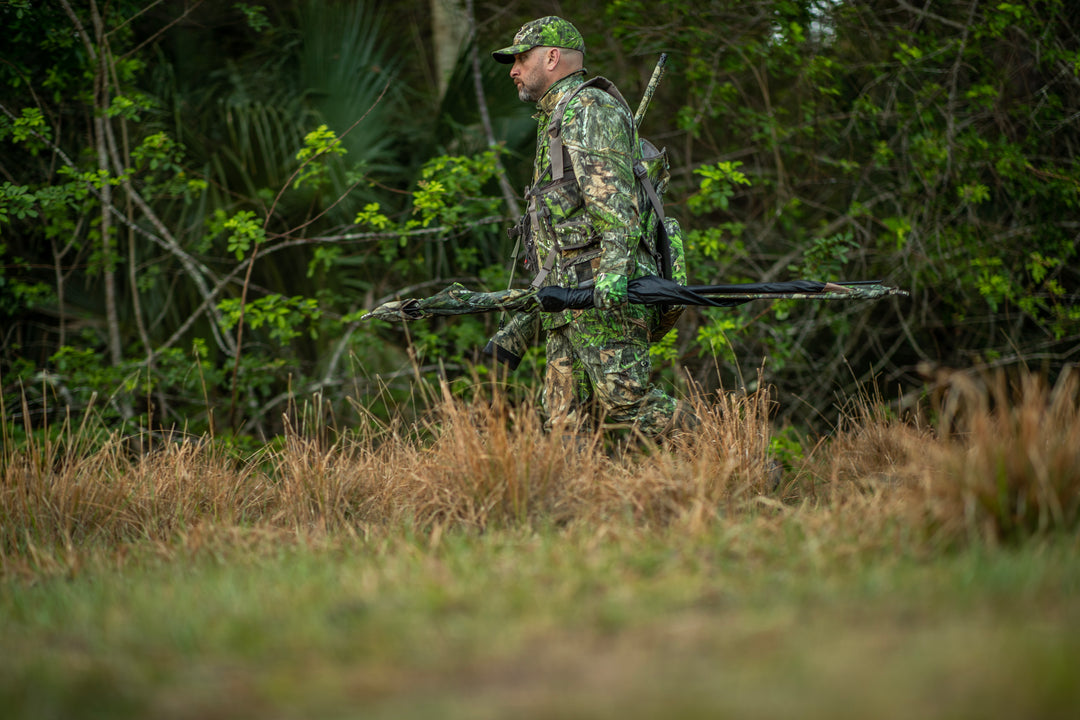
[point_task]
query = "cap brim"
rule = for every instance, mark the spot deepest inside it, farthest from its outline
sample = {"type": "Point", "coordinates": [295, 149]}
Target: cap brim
{"type": "Point", "coordinates": [506, 55]}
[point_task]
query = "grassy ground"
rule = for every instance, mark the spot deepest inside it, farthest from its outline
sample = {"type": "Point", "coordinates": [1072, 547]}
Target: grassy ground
{"type": "Point", "coordinates": [748, 620]}
{"type": "Point", "coordinates": [899, 571]}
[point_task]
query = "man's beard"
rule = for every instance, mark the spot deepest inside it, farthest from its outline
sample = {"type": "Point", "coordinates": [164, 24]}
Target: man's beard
{"type": "Point", "coordinates": [528, 93]}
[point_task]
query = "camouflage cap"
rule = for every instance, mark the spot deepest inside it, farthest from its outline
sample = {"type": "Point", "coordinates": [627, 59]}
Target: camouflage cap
{"type": "Point", "coordinates": [547, 31]}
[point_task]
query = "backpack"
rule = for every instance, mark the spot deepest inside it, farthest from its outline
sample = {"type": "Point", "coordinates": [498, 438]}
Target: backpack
{"type": "Point", "coordinates": [661, 235]}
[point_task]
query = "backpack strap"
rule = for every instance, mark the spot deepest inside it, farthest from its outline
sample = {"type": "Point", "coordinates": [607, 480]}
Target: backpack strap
{"type": "Point", "coordinates": [556, 151]}
{"type": "Point", "coordinates": [538, 213]}
{"type": "Point", "coordinates": [663, 243]}
{"type": "Point", "coordinates": [549, 263]}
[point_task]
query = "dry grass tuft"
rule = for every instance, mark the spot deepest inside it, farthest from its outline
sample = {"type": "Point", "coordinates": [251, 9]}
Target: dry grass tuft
{"type": "Point", "coordinates": [1000, 461]}
{"type": "Point", "coordinates": [489, 463]}
{"type": "Point", "coordinates": [1006, 464]}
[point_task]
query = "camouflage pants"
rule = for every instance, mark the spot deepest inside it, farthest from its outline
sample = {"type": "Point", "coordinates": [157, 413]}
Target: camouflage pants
{"type": "Point", "coordinates": [599, 365]}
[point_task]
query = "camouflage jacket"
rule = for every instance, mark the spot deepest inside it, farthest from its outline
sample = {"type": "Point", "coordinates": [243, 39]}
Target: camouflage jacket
{"type": "Point", "coordinates": [591, 219]}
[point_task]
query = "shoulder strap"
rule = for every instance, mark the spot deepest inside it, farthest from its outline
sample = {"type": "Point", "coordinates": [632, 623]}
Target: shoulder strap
{"type": "Point", "coordinates": [554, 128]}
{"type": "Point", "coordinates": [663, 243]}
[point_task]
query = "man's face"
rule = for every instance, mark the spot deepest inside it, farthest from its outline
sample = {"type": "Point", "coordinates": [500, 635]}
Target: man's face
{"type": "Point", "coordinates": [528, 74]}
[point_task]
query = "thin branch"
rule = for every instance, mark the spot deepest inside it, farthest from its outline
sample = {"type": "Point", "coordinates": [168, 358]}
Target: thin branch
{"type": "Point", "coordinates": [924, 13]}
{"type": "Point", "coordinates": [80, 30]}
{"type": "Point", "coordinates": [153, 37]}
{"type": "Point", "coordinates": [435, 230]}
{"type": "Point", "coordinates": [145, 10]}
{"type": "Point", "coordinates": [954, 79]}
{"type": "Point", "coordinates": [294, 242]}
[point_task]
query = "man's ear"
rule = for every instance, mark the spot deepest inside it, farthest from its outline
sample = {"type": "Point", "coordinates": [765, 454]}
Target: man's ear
{"type": "Point", "coordinates": [554, 55]}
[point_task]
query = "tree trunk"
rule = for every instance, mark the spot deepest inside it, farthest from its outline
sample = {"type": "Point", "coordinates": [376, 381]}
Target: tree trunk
{"type": "Point", "coordinates": [449, 28]}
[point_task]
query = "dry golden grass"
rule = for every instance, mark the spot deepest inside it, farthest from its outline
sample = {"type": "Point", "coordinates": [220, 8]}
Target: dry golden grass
{"type": "Point", "coordinates": [1006, 461]}
{"type": "Point", "coordinates": [469, 464]}
{"type": "Point", "coordinates": [998, 462]}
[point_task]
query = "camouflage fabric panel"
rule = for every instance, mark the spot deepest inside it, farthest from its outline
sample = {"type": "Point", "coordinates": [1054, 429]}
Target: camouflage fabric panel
{"type": "Point", "coordinates": [667, 318]}
{"type": "Point", "coordinates": [656, 165]}
{"type": "Point", "coordinates": [456, 299]}
{"type": "Point", "coordinates": [592, 377]}
{"type": "Point", "coordinates": [552, 31]}
{"type": "Point", "coordinates": [658, 170]}
{"type": "Point", "coordinates": [659, 174]}
{"type": "Point", "coordinates": [678, 251]}
{"type": "Point", "coordinates": [519, 334]}
{"type": "Point", "coordinates": [599, 134]}
{"type": "Point", "coordinates": [668, 315]}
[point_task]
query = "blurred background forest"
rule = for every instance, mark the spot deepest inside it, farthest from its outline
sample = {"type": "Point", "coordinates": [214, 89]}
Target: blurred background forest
{"type": "Point", "coordinates": [199, 199]}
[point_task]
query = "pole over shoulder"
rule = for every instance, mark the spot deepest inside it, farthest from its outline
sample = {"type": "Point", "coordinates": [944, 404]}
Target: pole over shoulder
{"type": "Point", "coordinates": [650, 89]}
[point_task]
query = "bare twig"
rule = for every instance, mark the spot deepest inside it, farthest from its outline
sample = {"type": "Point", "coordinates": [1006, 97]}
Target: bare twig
{"type": "Point", "coordinates": [924, 13]}
{"type": "Point", "coordinates": [190, 9]}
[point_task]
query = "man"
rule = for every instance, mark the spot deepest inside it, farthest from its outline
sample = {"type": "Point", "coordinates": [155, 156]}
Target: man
{"type": "Point", "coordinates": [582, 230]}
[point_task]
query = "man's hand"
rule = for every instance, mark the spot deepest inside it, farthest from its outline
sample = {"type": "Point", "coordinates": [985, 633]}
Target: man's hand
{"type": "Point", "coordinates": [610, 291]}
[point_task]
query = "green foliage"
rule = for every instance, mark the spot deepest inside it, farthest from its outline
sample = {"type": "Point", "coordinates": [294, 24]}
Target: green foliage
{"type": "Point", "coordinates": [159, 163]}
{"type": "Point", "coordinates": [720, 244]}
{"type": "Point", "coordinates": [255, 16]}
{"type": "Point", "coordinates": [281, 315]}
{"type": "Point", "coordinates": [717, 187]}
{"type": "Point", "coordinates": [28, 130]}
{"type": "Point", "coordinates": [318, 144]}
{"type": "Point", "coordinates": [16, 201]}
{"type": "Point", "coordinates": [245, 233]}
{"type": "Point", "coordinates": [665, 352]}
{"type": "Point", "coordinates": [714, 336]}
{"type": "Point", "coordinates": [834, 140]}
{"type": "Point", "coordinates": [826, 257]}
{"type": "Point", "coordinates": [992, 281]}
{"type": "Point", "coordinates": [371, 217]}
{"type": "Point", "coordinates": [785, 446]}
{"type": "Point", "coordinates": [451, 189]}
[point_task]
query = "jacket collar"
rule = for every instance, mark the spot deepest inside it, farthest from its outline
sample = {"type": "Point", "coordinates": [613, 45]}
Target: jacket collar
{"type": "Point", "coordinates": [558, 89]}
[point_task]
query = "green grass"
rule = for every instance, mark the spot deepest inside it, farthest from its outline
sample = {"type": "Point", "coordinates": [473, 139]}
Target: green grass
{"type": "Point", "coordinates": [746, 619]}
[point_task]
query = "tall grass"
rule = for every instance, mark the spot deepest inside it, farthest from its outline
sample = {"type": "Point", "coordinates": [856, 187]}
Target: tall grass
{"type": "Point", "coordinates": [993, 462]}
{"type": "Point", "coordinates": [1007, 461]}
{"type": "Point", "coordinates": [993, 458]}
